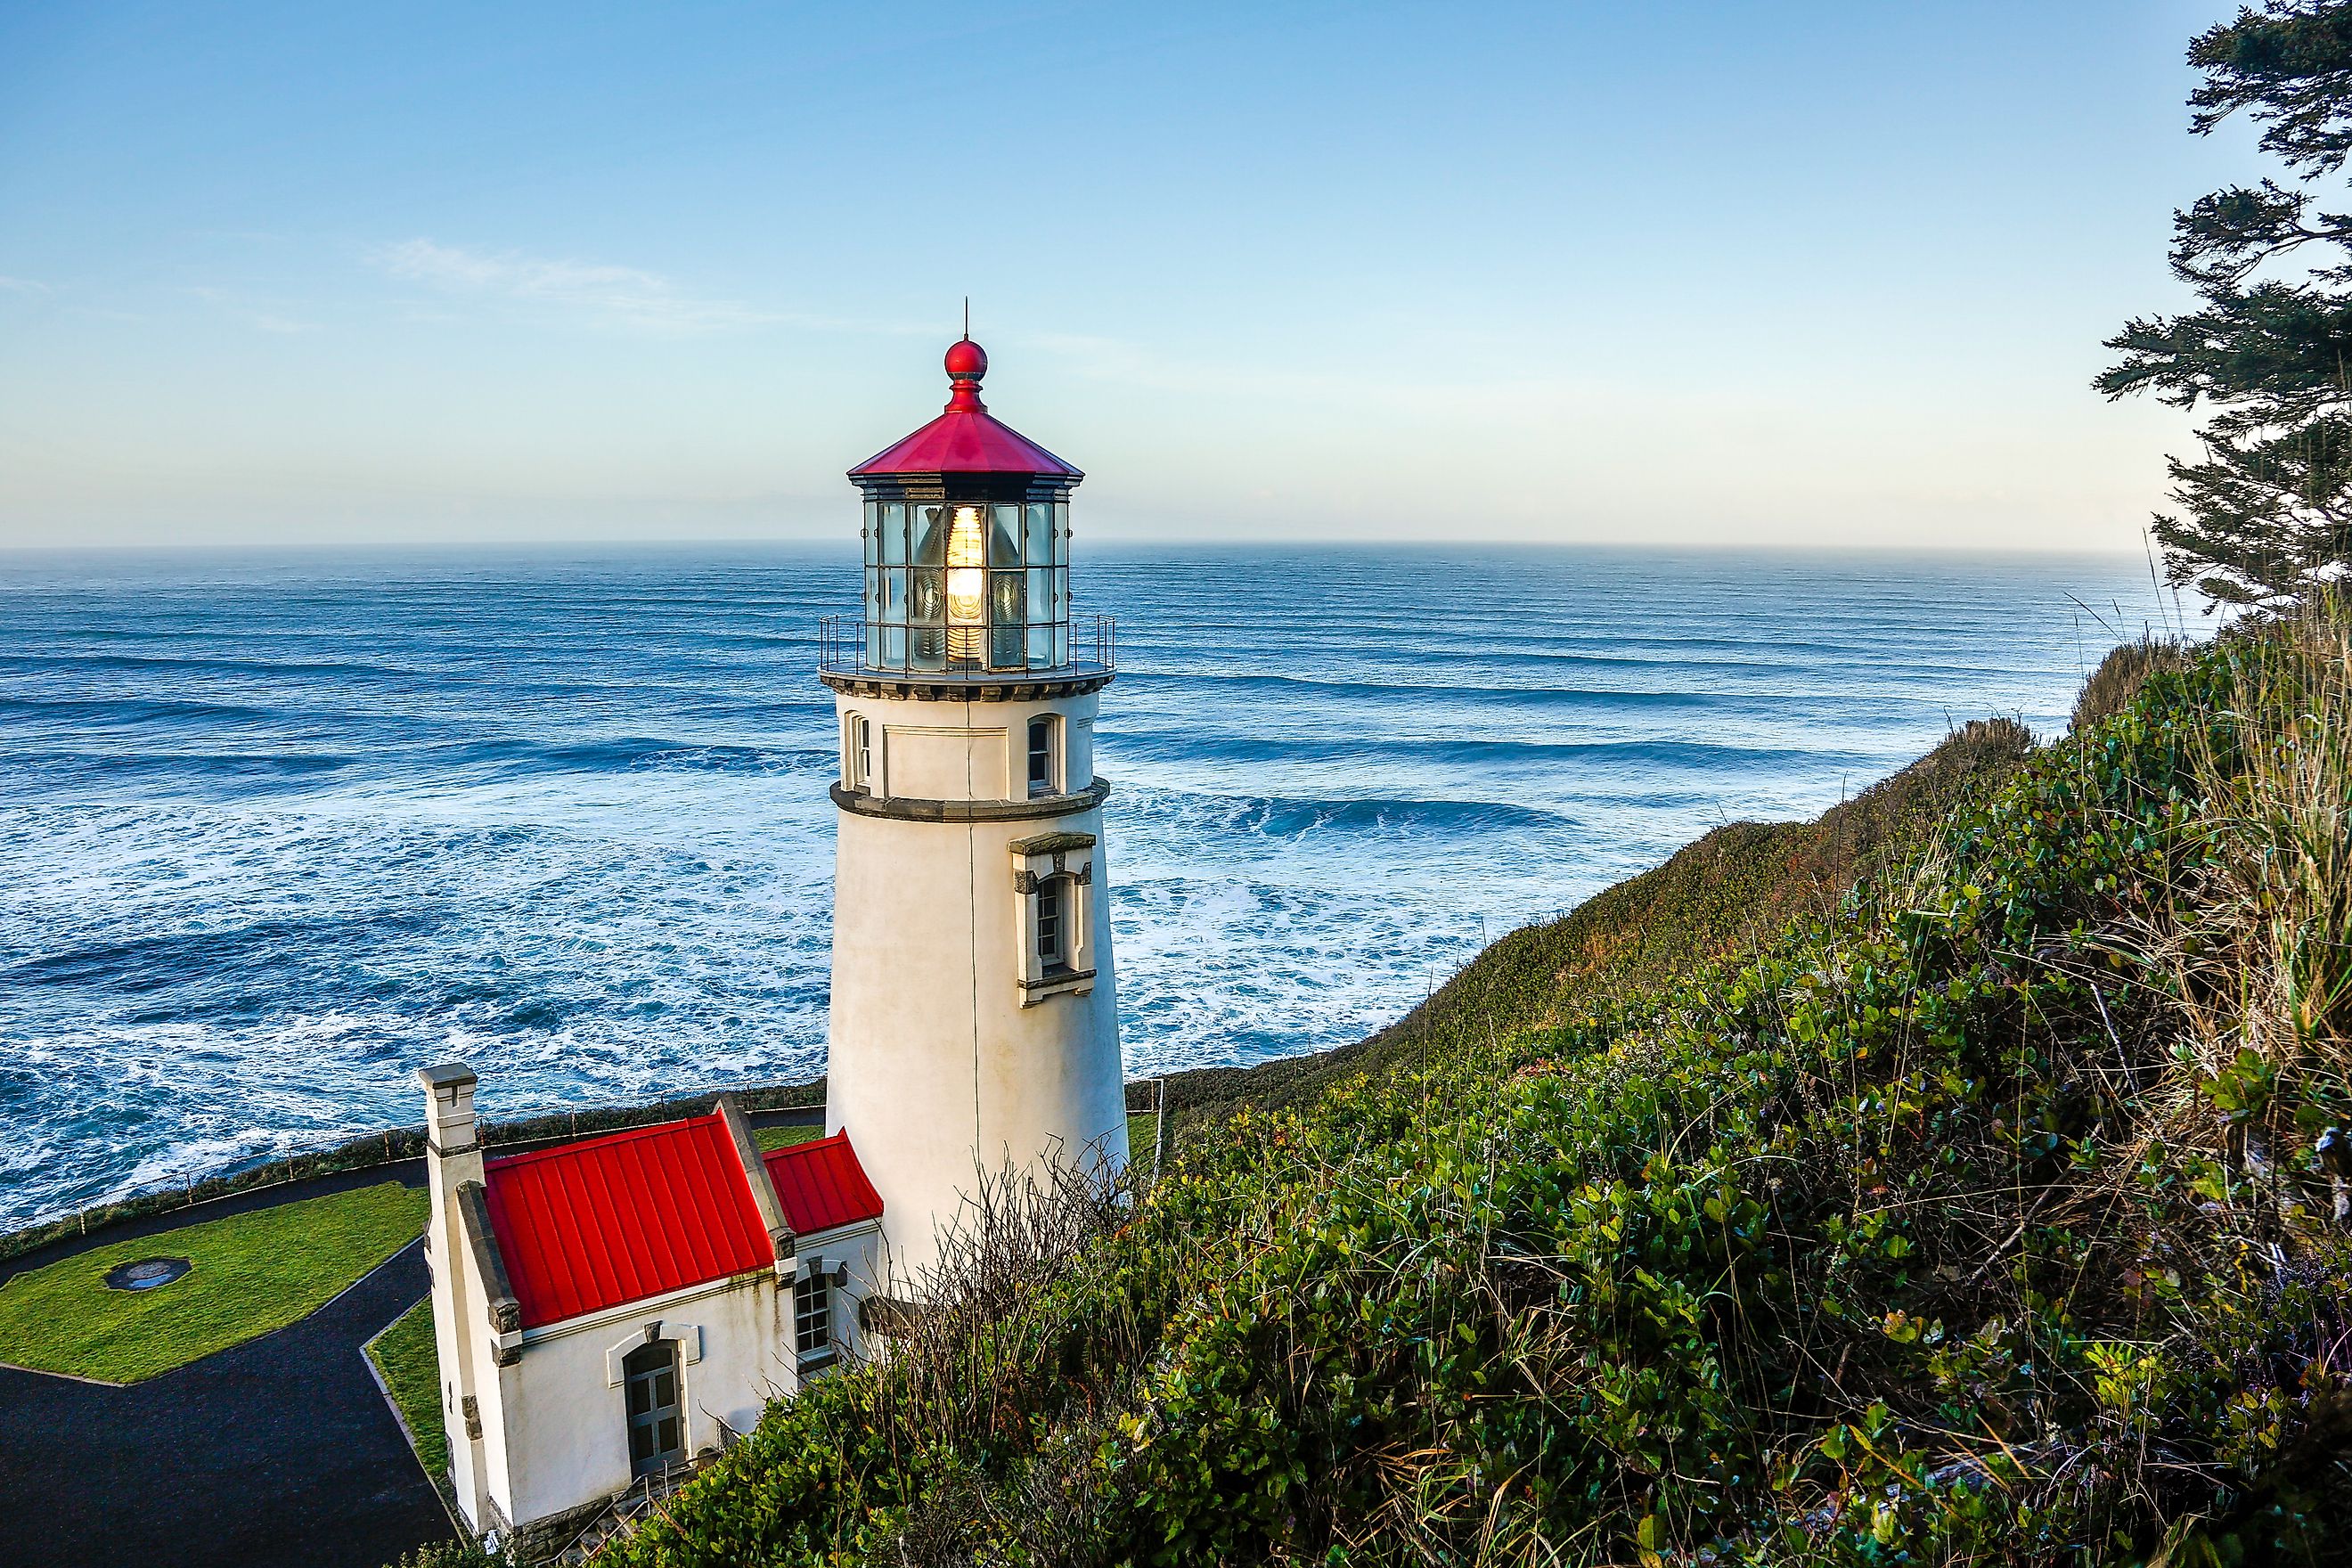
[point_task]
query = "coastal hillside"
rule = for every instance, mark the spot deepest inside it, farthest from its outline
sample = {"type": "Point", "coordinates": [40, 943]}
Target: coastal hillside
{"type": "Point", "coordinates": [1721, 895]}
{"type": "Point", "coordinates": [1958, 1179]}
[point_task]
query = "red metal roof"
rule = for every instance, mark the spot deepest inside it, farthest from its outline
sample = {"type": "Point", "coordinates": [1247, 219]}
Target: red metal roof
{"type": "Point", "coordinates": [821, 1186]}
{"type": "Point", "coordinates": [592, 1224]}
{"type": "Point", "coordinates": [967, 438]}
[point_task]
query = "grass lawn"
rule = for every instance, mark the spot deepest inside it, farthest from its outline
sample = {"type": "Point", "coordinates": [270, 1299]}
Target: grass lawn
{"type": "Point", "coordinates": [253, 1272]}
{"type": "Point", "coordinates": [411, 1367]}
{"type": "Point", "coordinates": [769, 1138]}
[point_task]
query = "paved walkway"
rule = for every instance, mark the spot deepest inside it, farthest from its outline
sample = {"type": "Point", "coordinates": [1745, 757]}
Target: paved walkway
{"type": "Point", "coordinates": [277, 1453]}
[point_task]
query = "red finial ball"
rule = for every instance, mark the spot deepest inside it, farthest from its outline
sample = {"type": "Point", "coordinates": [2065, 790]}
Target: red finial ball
{"type": "Point", "coordinates": [967, 359]}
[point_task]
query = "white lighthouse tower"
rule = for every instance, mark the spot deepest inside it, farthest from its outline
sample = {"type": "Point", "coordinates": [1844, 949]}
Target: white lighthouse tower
{"type": "Point", "coordinates": [975, 1025]}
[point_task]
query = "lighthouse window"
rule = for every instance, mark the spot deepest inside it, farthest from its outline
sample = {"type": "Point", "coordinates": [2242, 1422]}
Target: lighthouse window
{"type": "Point", "coordinates": [860, 750]}
{"type": "Point", "coordinates": [1053, 951]}
{"type": "Point", "coordinates": [1005, 618]}
{"type": "Point", "coordinates": [1043, 775]}
{"type": "Point", "coordinates": [930, 530]}
{"type": "Point", "coordinates": [893, 542]}
{"type": "Point", "coordinates": [813, 1312]}
{"type": "Point", "coordinates": [1004, 536]}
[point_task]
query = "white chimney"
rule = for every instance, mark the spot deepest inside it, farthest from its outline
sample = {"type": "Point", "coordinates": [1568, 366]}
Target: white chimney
{"type": "Point", "coordinates": [448, 1109]}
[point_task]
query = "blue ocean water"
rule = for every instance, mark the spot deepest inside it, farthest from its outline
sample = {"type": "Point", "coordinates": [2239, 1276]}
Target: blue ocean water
{"type": "Point", "coordinates": [277, 829]}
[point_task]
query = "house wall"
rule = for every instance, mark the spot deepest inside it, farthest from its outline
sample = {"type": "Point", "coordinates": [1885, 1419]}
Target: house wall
{"type": "Point", "coordinates": [939, 1064]}
{"type": "Point", "coordinates": [483, 1379]}
{"type": "Point", "coordinates": [563, 1436]}
{"type": "Point", "coordinates": [566, 1434]}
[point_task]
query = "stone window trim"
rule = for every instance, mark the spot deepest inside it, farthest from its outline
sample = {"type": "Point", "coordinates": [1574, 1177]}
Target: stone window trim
{"type": "Point", "coordinates": [815, 1345]}
{"type": "Point", "coordinates": [686, 1336]}
{"type": "Point", "coordinates": [1069, 857]}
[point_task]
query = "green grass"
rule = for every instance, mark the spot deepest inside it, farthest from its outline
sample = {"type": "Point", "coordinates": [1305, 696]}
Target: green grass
{"type": "Point", "coordinates": [769, 1138]}
{"type": "Point", "coordinates": [253, 1272]}
{"type": "Point", "coordinates": [1142, 1127]}
{"type": "Point", "coordinates": [406, 1357]}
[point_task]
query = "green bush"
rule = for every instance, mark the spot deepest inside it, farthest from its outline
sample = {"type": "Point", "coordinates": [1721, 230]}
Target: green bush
{"type": "Point", "coordinates": [1970, 1216]}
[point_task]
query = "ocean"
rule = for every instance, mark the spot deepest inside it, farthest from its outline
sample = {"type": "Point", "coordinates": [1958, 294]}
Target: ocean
{"type": "Point", "coordinates": [275, 829]}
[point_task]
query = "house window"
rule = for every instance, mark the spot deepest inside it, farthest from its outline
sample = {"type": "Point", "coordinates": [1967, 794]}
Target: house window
{"type": "Point", "coordinates": [1044, 768]}
{"type": "Point", "coordinates": [1052, 924]}
{"type": "Point", "coordinates": [857, 749]}
{"type": "Point", "coordinates": [813, 1312]}
{"type": "Point", "coordinates": [656, 1425]}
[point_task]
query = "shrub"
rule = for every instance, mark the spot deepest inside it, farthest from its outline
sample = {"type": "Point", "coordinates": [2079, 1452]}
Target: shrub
{"type": "Point", "coordinates": [1971, 1217]}
{"type": "Point", "coordinates": [2120, 676]}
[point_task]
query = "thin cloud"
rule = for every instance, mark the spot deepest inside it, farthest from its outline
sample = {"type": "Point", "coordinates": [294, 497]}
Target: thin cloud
{"type": "Point", "coordinates": [260, 318]}
{"type": "Point", "coordinates": [616, 296]}
{"type": "Point", "coordinates": [22, 285]}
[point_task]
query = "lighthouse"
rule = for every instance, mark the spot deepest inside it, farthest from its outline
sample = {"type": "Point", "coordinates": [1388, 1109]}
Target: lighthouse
{"type": "Point", "coordinates": [974, 1026]}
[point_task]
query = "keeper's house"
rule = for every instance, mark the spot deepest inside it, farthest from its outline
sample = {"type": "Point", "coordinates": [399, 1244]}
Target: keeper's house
{"type": "Point", "coordinates": [612, 1307]}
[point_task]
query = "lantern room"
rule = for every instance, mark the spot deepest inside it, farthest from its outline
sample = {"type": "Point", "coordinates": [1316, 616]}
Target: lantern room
{"type": "Point", "coordinates": [967, 548]}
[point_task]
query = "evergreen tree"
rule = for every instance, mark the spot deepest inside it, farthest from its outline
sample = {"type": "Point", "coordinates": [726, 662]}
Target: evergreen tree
{"type": "Point", "coordinates": [2265, 518]}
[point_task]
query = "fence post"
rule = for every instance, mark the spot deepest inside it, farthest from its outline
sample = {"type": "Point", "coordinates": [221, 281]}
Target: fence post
{"type": "Point", "coordinates": [1160, 1130]}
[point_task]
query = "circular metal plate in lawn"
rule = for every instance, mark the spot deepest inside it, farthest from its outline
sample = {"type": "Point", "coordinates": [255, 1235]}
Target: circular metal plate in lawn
{"type": "Point", "coordinates": [147, 1274]}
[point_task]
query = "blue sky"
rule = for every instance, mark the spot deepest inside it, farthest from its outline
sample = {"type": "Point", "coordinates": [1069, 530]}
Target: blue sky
{"type": "Point", "coordinates": [1786, 274]}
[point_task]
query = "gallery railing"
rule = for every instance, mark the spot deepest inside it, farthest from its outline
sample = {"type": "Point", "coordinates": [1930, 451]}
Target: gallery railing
{"type": "Point", "coordinates": [851, 645]}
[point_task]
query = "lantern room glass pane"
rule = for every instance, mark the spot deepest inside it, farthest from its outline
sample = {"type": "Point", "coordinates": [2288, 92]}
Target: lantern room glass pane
{"type": "Point", "coordinates": [927, 595]}
{"type": "Point", "coordinates": [874, 588]}
{"type": "Point", "coordinates": [1041, 594]}
{"type": "Point", "coordinates": [1061, 534]}
{"type": "Point", "coordinates": [874, 646]}
{"type": "Point", "coordinates": [870, 532]}
{"type": "Point", "coordinates": [930, 535]}
{"type": "Point", "coordinates": [894, 648]}
{"type": "Point", "coordinates": [1040, 546]}
{"type": "Point", "coordinates": [1041, 648]}
{"type": "Point", "coordinates": [1061, 642]}
{"type": "Point", "coordinates": [894, 593]}
{"type": "Point", "coordinates": [1005, 599]}
{"type": "Point", "coordinates": [894, 533]}
{"type": "Point", "coordinates": [1004, 536]}
{"type": "Point", "coordinates": [927, 648]}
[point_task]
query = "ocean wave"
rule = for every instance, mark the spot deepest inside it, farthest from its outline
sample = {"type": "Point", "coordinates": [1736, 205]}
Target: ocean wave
{"type": "Point", "coordinates": [83, 663]}
{"type": "Point", "coordinates": [1277, 817]}
{"type": "Point", "coordinates": [1218, 685]}
{"type": "Point", "coordinates": [274, 835]}
{"type": "Point", "coordinates": [1462, 752]}
{"type": "Point", "coordinates": [219, 769]}
{"type": "Point", "coordinates": [638, 754]}
{"type": "Point", "coordinates": [210, 959]}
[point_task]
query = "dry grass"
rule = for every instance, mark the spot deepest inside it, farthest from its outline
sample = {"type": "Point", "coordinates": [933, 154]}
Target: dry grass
{"type": "Point", "coordinates": [2258, 940]}
{"type": "Point", "coordinates": [2120, 674]}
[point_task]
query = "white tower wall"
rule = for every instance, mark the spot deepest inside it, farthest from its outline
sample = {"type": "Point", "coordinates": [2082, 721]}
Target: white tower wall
{"type": "Point", "coordinates": [952, 1049]}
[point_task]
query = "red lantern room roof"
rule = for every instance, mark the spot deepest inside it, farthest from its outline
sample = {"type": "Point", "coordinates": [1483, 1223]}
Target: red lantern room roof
{"type": "Point", "coordinates": [966, 438]}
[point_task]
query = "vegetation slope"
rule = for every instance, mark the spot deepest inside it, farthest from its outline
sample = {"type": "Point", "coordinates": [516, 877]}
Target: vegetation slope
{"type": "Point", "coordinates": [1988, 1211]}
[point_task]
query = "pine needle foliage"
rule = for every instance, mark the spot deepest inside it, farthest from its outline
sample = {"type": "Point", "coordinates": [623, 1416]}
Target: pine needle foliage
{"type": "Point", "coordinates": [2264, 516]}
